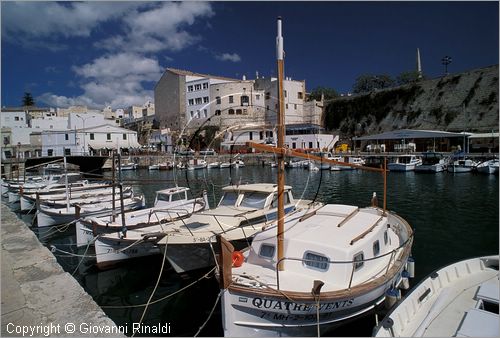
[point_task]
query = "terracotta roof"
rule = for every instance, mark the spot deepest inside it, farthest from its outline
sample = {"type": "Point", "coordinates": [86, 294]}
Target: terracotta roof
{"type": "Point", "coordinates": [189, 73]}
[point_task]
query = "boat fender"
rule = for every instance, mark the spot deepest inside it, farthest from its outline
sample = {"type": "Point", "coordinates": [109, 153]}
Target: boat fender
{"type": "Point", "coordinates": [410, 267]}
{"type": "Point", "coordinates": [238, 259]}
{"type": "Point", "coordinates": [405, 280]}
{"type": "Point", "coordinates": [391, 297]}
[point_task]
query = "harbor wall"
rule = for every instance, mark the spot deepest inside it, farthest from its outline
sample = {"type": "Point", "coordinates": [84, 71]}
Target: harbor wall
{"type": "Point", "coordinates": [38, 297]}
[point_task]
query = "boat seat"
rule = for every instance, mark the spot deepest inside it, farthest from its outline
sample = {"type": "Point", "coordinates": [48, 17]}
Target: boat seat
{"type": "Point", "coordinates": [479, 321]}
{"type": "Point", "coordinates": [489, 292]}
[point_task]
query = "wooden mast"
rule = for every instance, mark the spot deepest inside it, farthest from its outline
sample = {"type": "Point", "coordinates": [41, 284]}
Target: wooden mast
{"type": "Point", "coordinates": [280, 144]}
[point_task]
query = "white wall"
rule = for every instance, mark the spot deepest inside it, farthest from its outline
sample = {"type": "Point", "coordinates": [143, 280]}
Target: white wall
{"type": "Point", "coordinates": [77, 121]}
{"type": "Point", "coordinates": [13, 119]}
{"type": "Point", "coordinates": [50, 123]}
{"type": "Point", "coordinates": [54, 143]}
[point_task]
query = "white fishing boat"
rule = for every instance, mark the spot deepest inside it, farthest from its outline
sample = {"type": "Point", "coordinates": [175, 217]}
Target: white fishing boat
{"type": "Point", "coordinates": [49, 215]}
{"type": "Point", "coordinates": [127, 166]}
{"type": "Point", "coordinates": [302, 275]}
{"type": "Point", "coordinates": [459, 300]}
{"type": "Point", "coordinates": [196, 164]}
{"type": "Point", "coordinates": [293, 164]}
{"type": "Point", "coordinates": [36, 184]}
{"type": "Point", "coordinates": [58, 192]}
{"type": "Point", "coordinates": [238, 163]}
{"type": "Point", "coordinates": [242, 211]}
{"type": "Point", "coordinates": [462, 166]}
{"type": "Point", "coordinates": [354, 161]}
{"type": "Point", "coordinates": [170, 204]}
{"type": "Point", "coordinates": [225, 165]}
{"type": "Point", "coordinates": [432, 162]}
{"type": "Point", "coordinates": [213, 165]}
{"type": "Point", "coordinates": [404, 163]}
{"type": "Point", "coordinates": [488, 167]}
{"type": "Point", "coordinates": [154, 167]}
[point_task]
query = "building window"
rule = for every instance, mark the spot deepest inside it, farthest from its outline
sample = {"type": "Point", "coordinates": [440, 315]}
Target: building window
{"type": "Point", "coordinates": [316, 261]}
{"type": "Point", "coordinates": [108, 136]}
{"type": "Point", "coordinates": [245, 112]}
{"type": "Point", "coordinates": [299, 95]}
{"type": "Point", "coordinates": [190, 88]}
{"type": "Point", "coordinates": [250, 135]}
{"type": "Point", "coordinates": [257, 97]}
{"type": "Point", "coordinates": [244, 100]}
{"type": "Point", "coordinates": [16, 118]}
{"type": "Point", "coordinates": [50, 152]}
{"type": "Point", "coordinates": [261, 135]}
{"type": "Point", "coordinates": [205, 85]}
{"type": "Point", "coordinates": [286, 106]}
{"type": "Point", "coordinates": [205, 99]}
{"type": "Point", "coordinates": [191, 102]}
{"type": "Point", "coordinates": [67, 151]}
{"type": "Point", "coordinates": [217, 100]}
{"type": "Point", "coordinates": [294, 145]}
{"type": "Point", "coordinates": [91, 136]}
{"type": "Point", "coordinates": [231, 99]}
{"type": "Point", "coordinates": [230, 111]}
{"type": "Point", "coordinates": [295, 106]}
{"type": "Point", "coordinates": [268, 95]}
{"type": "Point", "coordinates": [199, 100]}
{"type": "Point", "coordinates": [358, 261]}
{"type": "Point", "coordinates": [6, 140]}
{"type": "Point", "coordinates": [238, 111]}
{"type": "Point", "coordinates": [310, 145]}
{"type": "Point", "coordinates": [66, 137]}
{"type": "Point", "coordinates": [124, 136]}
{"type": "Point", "coordinates": [205, 113]}
{"type": "Point", "coordinates": [197, 87]}
{"type": "Point", "coordinates": [217, 112]}
{"type": "Point", "coordinates": [285, 93]}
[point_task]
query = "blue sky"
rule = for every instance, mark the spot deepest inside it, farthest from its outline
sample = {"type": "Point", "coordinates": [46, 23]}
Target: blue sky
{"type": "Point", "coordinates": [113, 53]}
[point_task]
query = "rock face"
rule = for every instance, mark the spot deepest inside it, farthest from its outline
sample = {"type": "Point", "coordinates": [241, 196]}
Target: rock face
{"type": "Point", "coordinates": [465, 101]}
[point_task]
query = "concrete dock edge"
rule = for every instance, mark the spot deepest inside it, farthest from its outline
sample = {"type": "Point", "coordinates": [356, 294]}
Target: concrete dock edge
{"type": "Point", "coordinates": [38, 295]}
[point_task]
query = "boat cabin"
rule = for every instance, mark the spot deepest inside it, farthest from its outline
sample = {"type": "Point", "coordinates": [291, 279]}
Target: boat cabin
{"type": "Point", "coordinates": [254, 196]}
{"type": "Point", "coordinates": [167, 196]}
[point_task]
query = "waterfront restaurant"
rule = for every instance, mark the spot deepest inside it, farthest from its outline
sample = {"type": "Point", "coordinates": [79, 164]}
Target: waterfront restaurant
{"type": "Point", "coordinates": [408, 140]}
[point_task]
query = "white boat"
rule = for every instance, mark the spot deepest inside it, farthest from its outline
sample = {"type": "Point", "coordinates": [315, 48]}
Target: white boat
{"type": "Point", "coordinates": [213, 165]}
{"type": "Point", "coordinates": [312, 166]}
{"type": "Point", "coordinates": [354, 160]}
{"type": "Point", "coordinates": [323, 165]}
{"type": "Point", "coordinates": [293, 164]}
{"type": "Point", "coordinates": [225, 165]}
{"type": "Point", "coordinates": [404, 163]}
{"type": "Point", "coordinates": [127, 166]}
{"type": "Point", "coordinates": [306, 274]}
{"type": "Point", "coordinates": [58, 192]}
{"type": "Point", "coordinates": [154, 167]}
{"type": "Point", "coordinates": [49, 215]}
{"type": "Point", "coordinates": [196, 164]}
{"type": "Point", "coordinates": [459, 300]}
{"type": "Point", "coordinates": [432, 162]}
{"type": "Point", "coordinates": [170, 204]}
{"type": "Point", "coordinates": [243, 211]}
{"type": "Point", "coordinates": [33, 185]}
{"type": "Point", "coordinates": [462, 166]}
{"type": "Point", "coordinates": [488, 167]}
{"type": "Point", "coordinates": [238, 164]}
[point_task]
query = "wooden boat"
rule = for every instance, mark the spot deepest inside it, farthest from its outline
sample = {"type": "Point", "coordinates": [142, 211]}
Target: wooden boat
{"type": "Point", "coordinates": [49, 215]}
{"type": "Point", "coordinates": [196, 164]}
{"type": "Point", "coordinates": [459, 300]}
{"type": "Point", "coordinates": [242, 211]}
{"type": "Point", "coordinates": [302, 275]}
{"type": "Point", "coordinates": [127, 166]}
{"type": "Point", "coordinates": [170, 204]}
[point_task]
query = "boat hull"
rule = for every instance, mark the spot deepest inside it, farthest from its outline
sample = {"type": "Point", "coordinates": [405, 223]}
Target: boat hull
{"type": "Point", "coordinates": [110, 252]}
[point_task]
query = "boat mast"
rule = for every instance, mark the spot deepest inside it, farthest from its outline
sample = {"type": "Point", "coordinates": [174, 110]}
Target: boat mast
{"type": "Point", "coordinates": [280, 144]}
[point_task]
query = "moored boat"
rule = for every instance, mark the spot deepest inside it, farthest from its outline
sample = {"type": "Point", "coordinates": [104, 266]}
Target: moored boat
{"type": "Point", "coordinates": [432, 162]}
{"type": "Point", "coordinates": [462, 166]}
{"type": "Point", "coordinates": [459, 300]}
{"type": "Point", "coordinates": [488, 167]}
{"type": "Point", "coordinates": [404, 163]}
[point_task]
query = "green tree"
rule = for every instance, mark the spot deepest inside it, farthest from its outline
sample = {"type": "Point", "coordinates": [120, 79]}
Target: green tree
{"type": "Point", "coordinates": [367, 82]}
{"type": "Point", "coordinates": [328, 93]}
{"type": "Point", "coordinates": [28, 100]}
{"type": "Point", "coordinates": [408, 77]}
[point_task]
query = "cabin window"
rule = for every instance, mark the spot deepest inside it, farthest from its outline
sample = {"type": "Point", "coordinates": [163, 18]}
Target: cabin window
{"type": "Point", "coordinates": [358, 261]}
{"type": "Point", "coordinates": [376, 248]}
{"type": "Point", "coordinates": [274, 204]}
{"type": "Point", "coordinates": [267, 251]}
{"type": "Point", "coordinates": [316, 261]}
{"type": "Point", "coordinates": [229, 198]}
{"type": "Point", "coordinates": [386, 237]}
{"type": "Point", "coordinates": [254, 200]}
{"type": "Point", "coordinates": [178, 196]}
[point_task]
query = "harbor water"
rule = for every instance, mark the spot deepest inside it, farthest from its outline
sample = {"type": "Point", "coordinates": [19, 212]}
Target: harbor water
{"type": "Point", "coordinates": [455, 216]}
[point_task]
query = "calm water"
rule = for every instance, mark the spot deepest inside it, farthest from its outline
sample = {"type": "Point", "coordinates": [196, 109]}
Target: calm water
{"type": "Point", "coordinates": [454, 217]}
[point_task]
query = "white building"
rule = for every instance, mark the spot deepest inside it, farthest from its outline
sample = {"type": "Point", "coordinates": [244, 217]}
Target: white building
{"type": "Point", "coordinates": [13, 118]}
{"type": "Point", "coordinates": [102, 139]}
{"type": "Point", "coordinates": [86, 120]}
{"type": "Point", "coordinates": [50, 123]}
{"type": "Point", "coordinates": [60, 143]}
{"type": "Point", "coordinates": [298, 137]}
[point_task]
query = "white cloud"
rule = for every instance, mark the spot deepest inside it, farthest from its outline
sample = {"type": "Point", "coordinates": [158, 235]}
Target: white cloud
{"type": "Point", "coordinates": [112, 79]}
{"type": "Point", "coordinates": [27, 22]}
{"type": "Point", "coordinates": [228, 57]}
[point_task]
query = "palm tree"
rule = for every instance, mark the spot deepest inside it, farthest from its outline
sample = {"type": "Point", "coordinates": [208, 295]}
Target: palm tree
{"type": "Point", "coordinates": [28, 100]}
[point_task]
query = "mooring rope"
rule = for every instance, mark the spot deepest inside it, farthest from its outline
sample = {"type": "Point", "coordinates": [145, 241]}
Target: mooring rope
{"type": "Point", "coordinates": [84, 254]}
{"type": "Point", "coordinates": [210, 314]}
{"type": "Point", "coordinates": [53, 248]}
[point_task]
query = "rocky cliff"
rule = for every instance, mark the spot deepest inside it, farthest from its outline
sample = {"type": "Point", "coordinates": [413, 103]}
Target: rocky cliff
{"type": "Point", "coordinates": [465, 101]}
